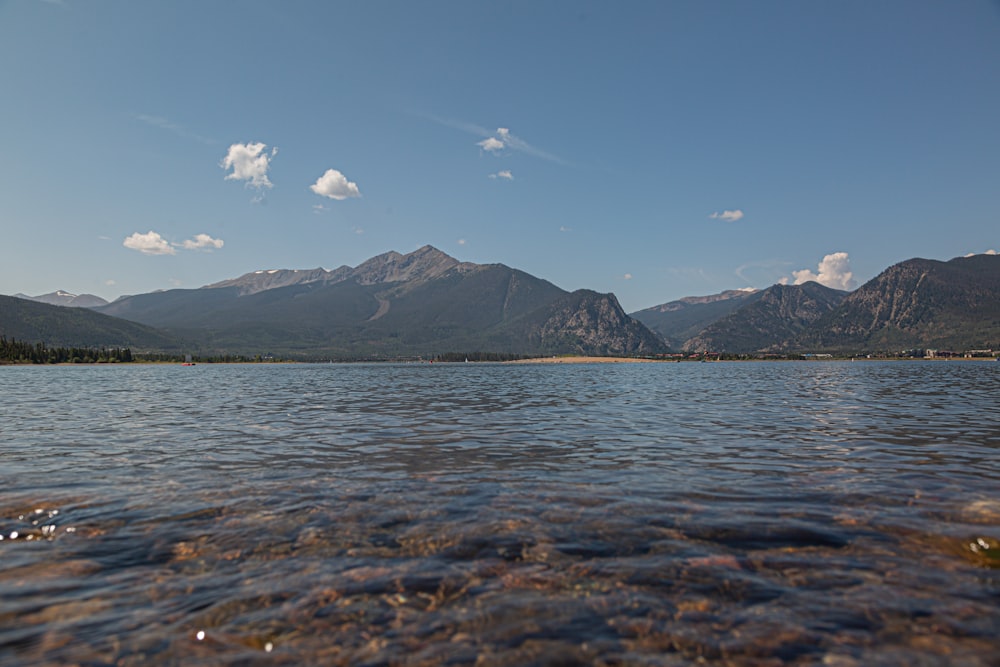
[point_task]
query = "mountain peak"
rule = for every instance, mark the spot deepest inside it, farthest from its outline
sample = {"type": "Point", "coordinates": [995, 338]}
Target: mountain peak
{"type": "Point", "coordinates": [391, 267]}
{"type": "Point", "coordinates": [64, 298]}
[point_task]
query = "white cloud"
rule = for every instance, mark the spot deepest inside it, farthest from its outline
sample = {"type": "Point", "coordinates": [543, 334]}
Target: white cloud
{"type": "Point", "coordinates": [202, 242]}
{"type": "Point", "coordinates": [627, 276]}
{"type": "Point", "coordinates": [834, 271]}
{"type": "Point", "coordinates": [335, 185]}
{"type": "Point", "coordinates": [150, 243]}
{"type": "Point", "coordinates": [110, 282]}
{"type": "Point", "coordinates": [502, 139]}
{"type": "Point", "coordinates": [249, 163]}
{"type": "Point", "coordinates": [461, 242]}
{"type": "Point", "coordinates": [564, 228]}
{"type": "Point", "coordinates": [728, 216]}
{"type": "Point", "coordinates": [991, 252]}
{"type": "Point", "coordinates": [491, 144]}
{"type": "Point", "coordinates": [505, 174]}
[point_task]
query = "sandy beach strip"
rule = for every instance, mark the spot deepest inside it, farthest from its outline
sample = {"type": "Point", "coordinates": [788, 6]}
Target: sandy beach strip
{"type": "Point", "coordinates": [581, 360]}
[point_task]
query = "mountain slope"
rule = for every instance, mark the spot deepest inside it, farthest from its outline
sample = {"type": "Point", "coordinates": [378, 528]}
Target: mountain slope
{"type": "Point", "coordinates": [770, 321]}
{"type": "Point", "coordinates": [421, 303]}
{"type": "Point", "coordinates": [34, 322]}
{"type": "Point", "coordinates": [919, 303]}
{"type": "Point", "coordinates": [678, 321]}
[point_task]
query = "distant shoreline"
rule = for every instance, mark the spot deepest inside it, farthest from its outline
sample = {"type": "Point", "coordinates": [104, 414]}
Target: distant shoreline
{"type": "Point", "coordinates": [632, 360]}
{"type": "Point", "coordinates": [583, 360]}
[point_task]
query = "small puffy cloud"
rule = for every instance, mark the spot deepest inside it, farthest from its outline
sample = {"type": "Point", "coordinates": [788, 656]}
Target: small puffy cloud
{"type": "Point", "coordinates": [564, 228]}
{"type": "Point", "coordinates": [503, 174]}
{"type": "Point", "coordinates": [491, 144]}
{"type": "Point", "coordinates": [110, 282]}
{"type": "Point", "coordinates": [627, 276]}
{"type": "Point", "coordinates": [334, 185]}
{"type": "Point", "coordinates": [202, 242]}
{"type": "Point", "coordinates": [150, 243]}
{"type": "Point", "coordinates": [461, 242]}
{"type": "Point", "coordinates": [991, 252]}
{"type": "Point", "coordinates": [249, 163]}
{"type": "Point", "coordinates": [834, 271]}
{"type": "Point", "coordinates": [727, 216]}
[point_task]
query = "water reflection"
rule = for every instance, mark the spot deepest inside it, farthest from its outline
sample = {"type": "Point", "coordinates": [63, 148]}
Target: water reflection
{"type": "Point", "coordinates": [507, 515]}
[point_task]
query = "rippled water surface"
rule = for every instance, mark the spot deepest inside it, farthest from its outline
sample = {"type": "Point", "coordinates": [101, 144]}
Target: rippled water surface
{"type": "Point", "coordinates": [607, 514]}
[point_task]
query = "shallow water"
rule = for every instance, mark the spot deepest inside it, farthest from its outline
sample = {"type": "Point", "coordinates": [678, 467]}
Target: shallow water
{"type": "Point", "coordinates": [607, 514]}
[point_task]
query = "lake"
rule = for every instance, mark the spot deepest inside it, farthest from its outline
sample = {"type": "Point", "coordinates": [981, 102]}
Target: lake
{"type": "Point", "coordinates": [803, 513]}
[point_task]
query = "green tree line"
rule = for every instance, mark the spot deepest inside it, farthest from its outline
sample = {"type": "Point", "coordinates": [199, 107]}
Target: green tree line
{"type": "Point", "coordinates": [19, 352]}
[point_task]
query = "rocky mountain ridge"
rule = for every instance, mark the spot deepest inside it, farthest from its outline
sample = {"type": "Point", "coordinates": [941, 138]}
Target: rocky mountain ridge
{"type": "Point", "coordinates": [392, 305]}
{"type": "Point", "coordinates": [914, 304]}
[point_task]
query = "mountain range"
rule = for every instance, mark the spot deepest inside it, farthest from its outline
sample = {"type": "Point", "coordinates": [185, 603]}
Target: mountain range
{"type": "Point", "coordinates": [915, 304]}
{"type": "Point", "coordinates": [390, 306]}
{"type": "Point", "coordinates": [425, 303]}
{"type": "Point", "coordinates": [60, 298]}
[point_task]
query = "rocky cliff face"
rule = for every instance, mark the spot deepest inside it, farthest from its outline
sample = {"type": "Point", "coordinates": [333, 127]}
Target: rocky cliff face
{"type": "Point", "coordinates": [592, 323]}
{"type": "Point", "coordinates": [918, 303]}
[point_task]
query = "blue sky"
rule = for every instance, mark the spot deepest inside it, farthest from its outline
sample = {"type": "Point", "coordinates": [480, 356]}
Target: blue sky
{"type": "Point", "coordinates": [651, 149]}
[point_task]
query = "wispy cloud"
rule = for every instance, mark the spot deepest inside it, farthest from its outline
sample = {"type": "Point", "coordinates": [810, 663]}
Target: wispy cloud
{"type": "Point", "coordinates": [503, 138]}
{"type": "Point", "coordinates": [496, 141]}
{"type": "Point", "coordinates": [149, 243]}
{"type": "Point", "coordinates": [728, 216]}
{"type": "Point", "coordinates": [170, 126]}
{"type": "Point", "coordinates": [503, 174]}
{"type": "Point", "coordinates": [564, 228]}
{"type": "Point", "coordinates": [334, 185]}
{"type": "Point", "coordinates": [250, 163]}
{"type": "Point", "coordinates": [761, 272]}
{"type": "Point", "coordinates": [833, 271]}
